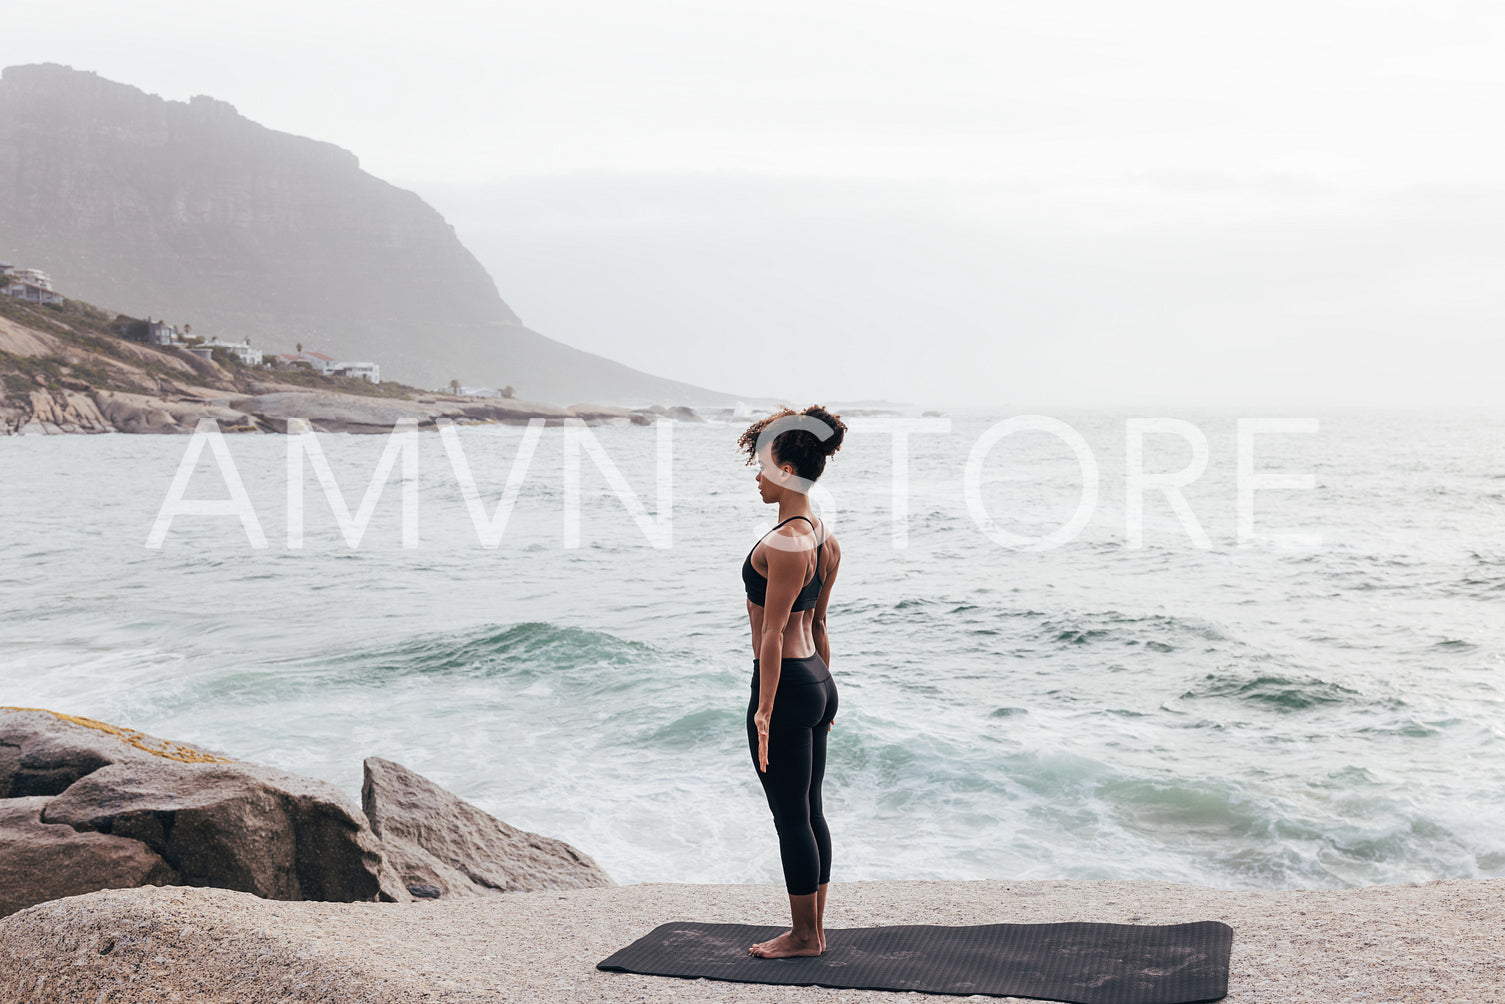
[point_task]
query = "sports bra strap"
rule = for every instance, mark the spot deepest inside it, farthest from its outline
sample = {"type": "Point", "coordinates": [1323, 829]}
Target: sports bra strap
{"type": "Point", "coordinates": [819, 539]}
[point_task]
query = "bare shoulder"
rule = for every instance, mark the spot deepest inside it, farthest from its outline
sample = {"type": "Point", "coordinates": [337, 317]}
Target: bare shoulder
{"type": "Point", "coordinates": [831, 549]}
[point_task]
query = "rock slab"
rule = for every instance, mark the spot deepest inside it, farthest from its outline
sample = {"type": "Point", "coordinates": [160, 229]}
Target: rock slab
{"type": "Point", "coordinates": [143, 810]}
{"type": "Point", "coordinates": [433, 838]}
{"type": "Point", "coordinates": [38, 857]}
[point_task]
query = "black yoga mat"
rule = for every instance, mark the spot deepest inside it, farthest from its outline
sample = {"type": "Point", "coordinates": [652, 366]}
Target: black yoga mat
{"type": "Point", "coordinates": [1078, 962]}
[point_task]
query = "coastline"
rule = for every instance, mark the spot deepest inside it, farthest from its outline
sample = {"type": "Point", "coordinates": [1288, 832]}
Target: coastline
{"type": "Point", "coordinates": [87, 411]}
{"type": "Point", "coordinates": [1423, 942]}
{"type": "Point", "coordinates": [69, 371]}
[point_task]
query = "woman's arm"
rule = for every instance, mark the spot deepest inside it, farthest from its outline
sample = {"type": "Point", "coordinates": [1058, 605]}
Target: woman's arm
{"type": "Point", "coordinates": [786, 569]}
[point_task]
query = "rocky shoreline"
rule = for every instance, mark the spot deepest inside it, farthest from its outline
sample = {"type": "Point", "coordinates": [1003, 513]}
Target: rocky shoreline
{"type": "Point", "coordinates": [84, 410]}
{"type": "Point", "coordinates": [86, 805]}
{"type": "Point", "coordinates": [64, 372]}
{"type": "Point", "coordinates": [133, 869]}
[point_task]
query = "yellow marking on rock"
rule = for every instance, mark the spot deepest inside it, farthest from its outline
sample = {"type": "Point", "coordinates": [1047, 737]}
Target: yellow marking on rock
{"type": "Point", "coordinates": [162, 748]}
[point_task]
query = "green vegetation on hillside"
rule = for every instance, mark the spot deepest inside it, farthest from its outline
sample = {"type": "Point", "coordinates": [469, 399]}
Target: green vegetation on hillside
{"type": "Point", "coordinates": [80, 326]}
{"type": "Point", "coordinates": [94, 333]}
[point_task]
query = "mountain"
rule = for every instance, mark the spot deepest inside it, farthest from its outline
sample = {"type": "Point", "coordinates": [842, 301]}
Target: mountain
{"type": "Point", "coordinates": [190, 212]}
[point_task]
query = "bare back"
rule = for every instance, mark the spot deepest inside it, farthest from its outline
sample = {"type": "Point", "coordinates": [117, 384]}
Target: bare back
{"type": "Point", "coordinates": [802, 628]}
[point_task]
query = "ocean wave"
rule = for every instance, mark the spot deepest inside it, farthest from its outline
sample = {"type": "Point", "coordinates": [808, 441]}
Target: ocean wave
{"type": "Point", "coordinates": [535, 642]}
{"type": "Point", "coordinates": [1156, 632]}
{"type": "Point", "coordinates": [1283, 694]}
{"type": "Point", "coordinates": [517, 652]}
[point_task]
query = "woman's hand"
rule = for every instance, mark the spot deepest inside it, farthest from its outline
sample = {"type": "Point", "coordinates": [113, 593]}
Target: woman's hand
{"type": "Point", "coordinates": [760, 721]}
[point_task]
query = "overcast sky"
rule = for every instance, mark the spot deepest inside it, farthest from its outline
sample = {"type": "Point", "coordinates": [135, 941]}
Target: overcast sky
{"type": "Point", "coordinates": [1156, 204]}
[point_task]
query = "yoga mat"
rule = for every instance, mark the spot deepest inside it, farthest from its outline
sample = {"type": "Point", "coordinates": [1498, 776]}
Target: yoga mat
{"type": "Point", "coordinates": [1078, 962]}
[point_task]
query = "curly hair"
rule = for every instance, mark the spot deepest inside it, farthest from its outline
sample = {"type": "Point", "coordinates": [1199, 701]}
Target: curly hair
{"type": "Point", "coordinates": [802, 448]}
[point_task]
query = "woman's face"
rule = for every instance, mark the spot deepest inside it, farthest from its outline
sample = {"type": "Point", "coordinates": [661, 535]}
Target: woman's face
{"type": "Point", "coordinates": [768, 474]}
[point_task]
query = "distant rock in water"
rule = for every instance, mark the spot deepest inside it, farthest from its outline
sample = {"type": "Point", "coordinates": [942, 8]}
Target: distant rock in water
{"type": "Point", "coordinates": [189, 211]}
{"type": "Point", "coordinates": [443, 845]}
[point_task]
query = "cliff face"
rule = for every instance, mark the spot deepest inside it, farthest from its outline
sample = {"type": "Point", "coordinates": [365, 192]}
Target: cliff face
{"type": "Point", "coordinates": [190, 212]}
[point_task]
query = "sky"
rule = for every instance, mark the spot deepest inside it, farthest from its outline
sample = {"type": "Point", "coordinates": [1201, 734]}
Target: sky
{"type": "Point", "coordinates": [1282, 205]}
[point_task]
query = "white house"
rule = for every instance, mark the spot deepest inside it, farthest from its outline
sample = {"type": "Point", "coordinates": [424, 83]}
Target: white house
{"type": "Point", "coordinates": [30, 284]}
{"type": "Point", "coordinates": [324, 364]}
{"type": "Point", "coordinates": [318, 361]}
{"type": "Point", "coordinates": [33, 276]}
{"type": "Point", "coordinates": [369, 372]}
{"type": "Point", "coordinates": [328, 366]}
{"type": "Point", "coordinates": [241, 349]}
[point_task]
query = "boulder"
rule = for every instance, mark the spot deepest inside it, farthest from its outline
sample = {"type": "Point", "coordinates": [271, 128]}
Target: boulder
{"type": "Point", "coordinates": [43, 768]}
{"type": "Point", "coordinates": [87, 413]}
{"type": "Point", "coordinates": [66, 410]}
{"type": "Point", "coordinates": [332, 411]}
{"type": "Point", "coordinates": [41, 861]}
{"type": "Point", "coordinates": [213, 820]}
{"type": "Point", "coordinates": [599, 412]}
{"type": "Point", "coordinates": [136, 413]}
{"type": "Point", "coordinates": [145, 413]}
{"type": "Point", "coordinates": [233, 826]}
{"type": "Point", "coordinates": [510, 411]}
{"type": "Point", "coordinates": [433, 838]}
{"type": "Point", "coordinates": [43, 752]}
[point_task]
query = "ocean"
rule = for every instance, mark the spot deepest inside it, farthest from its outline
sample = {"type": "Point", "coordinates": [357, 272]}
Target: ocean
{"type": "Point", "coordinates": [1307, 695]}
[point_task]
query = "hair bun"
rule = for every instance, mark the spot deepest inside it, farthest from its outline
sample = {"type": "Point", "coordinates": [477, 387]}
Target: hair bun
{"type": "Point", "coordinates": [799, 446]}
{"type": "Point", "coordinates": [831, 443]}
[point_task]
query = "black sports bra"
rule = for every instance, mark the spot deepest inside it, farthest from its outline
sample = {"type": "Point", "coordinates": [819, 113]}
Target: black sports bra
{"type": "Point", "coordinates": [757, 583]}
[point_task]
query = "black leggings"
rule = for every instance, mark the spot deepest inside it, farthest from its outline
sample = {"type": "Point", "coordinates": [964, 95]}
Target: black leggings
{"type": "Point", "coordinates": [803, 706]}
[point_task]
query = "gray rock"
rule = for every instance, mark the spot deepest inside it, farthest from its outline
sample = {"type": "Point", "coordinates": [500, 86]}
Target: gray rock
{"type": "Point", "coordinates": [511, 411]}
{"type": "Point", "coordinates": [40, 861]}
{"type": "Point", "coordinates": [145, 413]}
{"type": "Point", "coordinates": [136, 413]}
{"type": "Point", "coordinates": [433, 838]}
{"type": "Point", "coordinates": [233, 826]}
{"type": "Point", "coordinates": [333, 411]}
{"type": "Point", "coordinates": [42, 753]}
{"type": "Point", "coordinates": [66, 411]}
{"type": "Point", "coordinates": [599, 412]}
{"type": "Point", "coordinates": [214, 820]}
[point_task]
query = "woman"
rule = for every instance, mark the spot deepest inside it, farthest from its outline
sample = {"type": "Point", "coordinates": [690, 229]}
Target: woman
{"type": "Point", "coordinates": [788, 576]}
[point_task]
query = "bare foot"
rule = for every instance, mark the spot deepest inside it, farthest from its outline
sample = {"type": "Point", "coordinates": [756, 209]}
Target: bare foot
{"type": "Point", "coordinates": [788, 934]}
{"type": "Point", "coordinates": [787, 945]}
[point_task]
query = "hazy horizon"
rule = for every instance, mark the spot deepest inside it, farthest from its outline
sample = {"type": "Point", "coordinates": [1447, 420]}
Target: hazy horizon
{"type": "Point", "coordinates": [1170, 206]}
